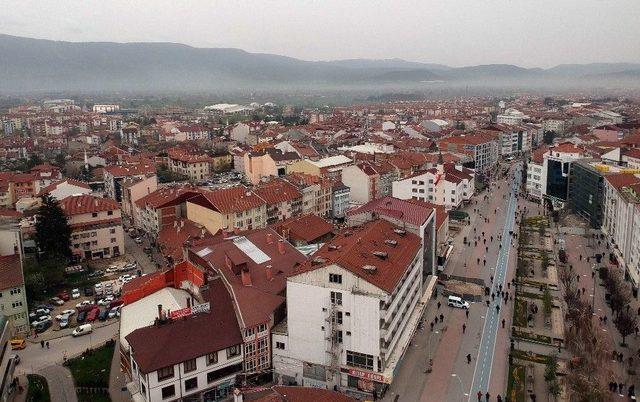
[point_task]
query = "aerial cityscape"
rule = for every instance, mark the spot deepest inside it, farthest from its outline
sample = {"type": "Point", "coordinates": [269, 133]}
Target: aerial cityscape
{"type": "Point", "coordinates": [294, 201]}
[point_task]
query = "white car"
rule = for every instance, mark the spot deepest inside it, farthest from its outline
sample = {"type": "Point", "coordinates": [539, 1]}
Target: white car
{"type": "Point", "coordinates": [105, 301]}
{"type": "Point", "coordinates": [57, 301]}
{"type": "Point", "coordinates": [65, 314]}
{"type": "Point", "coordinates": [64, 323]}
{"type": "Point", "coordinates": [112, 269]}
{"type": "Point", "coordinates": [84, 303]}
{"type": "Point", "coordinates": [114, 312]}
{"type": "Point", "coordinates": [75, 293]}
{"type": "Point", "coordinates": [125, 278]}
{"type": "Point", "coordinates": [41, 320]}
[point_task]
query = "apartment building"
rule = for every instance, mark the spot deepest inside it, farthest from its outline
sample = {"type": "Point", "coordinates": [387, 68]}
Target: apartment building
{"type": "Point", "coordinates": [13, 295]}
{"type": "Point", "coordinates": [369, 180]}
{"type": "Point", "coordinates": [351, 310]}
{"type": "Point", "coordinates": [196, 351]}
{"type": "Point", "coordinates": [549, 170]}
{"type": "Point", "coordinates": [161, 208]}
{"type": "Point", "coordinates": [512, 140]}
{"type": "Point", "coordinates": [483, 148]}
{"type": "Point", "coordinates": [134, 188]}
{"type": "Point", "coordinates": [340, 200]}
{"type": "Point", "coordinates": [116, 174]}
{"type": "Point", "coordinates": [511, 117]}
{"type": "Point", "coordinates": [65, 188]}
{"type": "Point", "coordinates": [283, 199]}
{"type": "Point", "coordinates": [266, 163]}
{"type": "Point", "coordinates": [96, 225]}
{"type": "Point", "coordinates": [316, 193]}
{"type": "Point", "coordinates": [235, 208]}
{"type": "Point", "coordinates": [254, 266]}
{"type": "Point", "coordinates": [621, 222]}
{"type": "Point", "coordinates": [196, 167]}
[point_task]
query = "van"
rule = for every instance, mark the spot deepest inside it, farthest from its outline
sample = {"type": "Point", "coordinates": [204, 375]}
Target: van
{"type": "Point", "coordinates": [455, 301]}
{"type": "Point", "coordinates": [82, 330]}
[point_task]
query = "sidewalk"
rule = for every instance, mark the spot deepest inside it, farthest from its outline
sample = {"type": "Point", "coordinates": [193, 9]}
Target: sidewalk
{"type": "Point", "coordinates": [60, 381]}
{"type": "Point", "coordinates": [117, 384]}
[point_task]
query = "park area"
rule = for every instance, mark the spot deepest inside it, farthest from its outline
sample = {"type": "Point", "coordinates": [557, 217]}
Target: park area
{"type": "Point", "coordinates": [91, 373]}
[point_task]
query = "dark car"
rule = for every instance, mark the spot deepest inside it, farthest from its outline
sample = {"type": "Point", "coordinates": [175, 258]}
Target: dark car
{"type": "Point", "coordinates": [64, 295]}
{"type": "Point", "coordinates": [116, 303]}
{"type": "Point", "coordinates": [43, 326]}
{"type": "Point", "coordinates": [104, 314]}
{"type": "Point", "coordinates": [88, 292]}
{"type": "Point", "coordinates": [93, 314]}
{"type": "Point", "coordinates": [82, 316]}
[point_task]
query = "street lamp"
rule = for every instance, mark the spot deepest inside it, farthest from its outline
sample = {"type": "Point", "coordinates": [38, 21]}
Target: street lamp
{"type": "Point", "coordinates": [461, 386]}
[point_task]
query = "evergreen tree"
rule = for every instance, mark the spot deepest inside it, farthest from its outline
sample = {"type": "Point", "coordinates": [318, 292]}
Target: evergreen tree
{"type": "Point", "coordinates": [53, 234]}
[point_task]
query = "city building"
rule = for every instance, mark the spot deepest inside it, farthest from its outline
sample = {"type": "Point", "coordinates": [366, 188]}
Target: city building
{"type": "Point", "coordinates": [115, 175]}
{"type": "Point", "coordinates": [340, 199]}
{"type": "Point", "coordinates": [283, 199]}
{"type": "Point", "coordinates": [13, 295]}
{"type": "Point", "coordinates": [161, 208]}
{"type": "Point", "coordinates": [196, 167]}
{"type": "Point", "coordinates": [369, 180]}
{"type": "Point", "coordinates": [266, 163]}
{"type": "Point", "coordinates": [586, 191]}
{"type": "Point", "coordinates": [96, 225]}
{"type": "Point", "coordinates": [351, 311]}
{"type": "Point", "coordinates": [316, 193]}
{"type": "Point", "coordinates": [483, 148]}
{"type": "Point", "coordinates": [511, 117]}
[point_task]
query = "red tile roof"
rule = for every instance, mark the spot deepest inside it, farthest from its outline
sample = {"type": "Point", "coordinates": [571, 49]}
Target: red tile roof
{"type": "Point", "coordinates": [353, 249]}
{"type": "Point", "coordinates": [620, 180]}
{"type": "Point", "coordinates": [306, 227]}
{"type": "Point", "coordinates": [10, 272]}
{"type": "Point", "coordinates": [405, 210]}
{"type": "Point", "coordinates": [168, 196]}
{"type": "Point", "coordinates": [172, 237]}
{"type": "Point", "coordinates": [201, 334]}
{"type": "Point", "coordinates": [277, 190]}
{"type": "Point", "coordinates": [229, 200]}
{"type": "Point", "coordinates": [130, 170]}
{"type": "Point", "coordinates": [85, 204]}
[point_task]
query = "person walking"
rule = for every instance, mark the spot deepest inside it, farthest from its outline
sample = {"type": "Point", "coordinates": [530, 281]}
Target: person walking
{"type": "Point", "coordinates": [479, 396]}
{"type": "Point", "coordinates": [466, 312]}
{"type": "Point", "coordinates": [487, 396]}
{"type": "Point", "coordinates": [468, 358]}
{"type": "Point", "coordinates": [439, 304]}
{"type": "Point", "coordinates": [497, 308]}
{"type": "Point", "coordinates": [464, 328]}
{"type": "Point", "coordinates": [441, 317]}
{"type": "Point", "coordinates": [47, 344]}
{"type": "Point", "coordinates": [42, 344]}
{"type": "Point", "coordinates": [503, 322]}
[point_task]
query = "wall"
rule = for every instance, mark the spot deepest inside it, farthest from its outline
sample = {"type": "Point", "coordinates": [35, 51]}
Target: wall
{"type": "Point", "coordinates": [208, 218]}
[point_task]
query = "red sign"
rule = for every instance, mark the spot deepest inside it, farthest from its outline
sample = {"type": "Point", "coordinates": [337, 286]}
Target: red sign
{"type": "Point", "coordinates": [366, 375]}
{"type": "Point", "coordinates": [183, 312]}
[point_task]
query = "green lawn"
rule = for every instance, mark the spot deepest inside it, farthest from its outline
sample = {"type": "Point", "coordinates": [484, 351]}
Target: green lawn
{"type": "Point", "coordinates": [38, 389]}
{"type": "Point", "coordinates": [92, 370]}
{"type": "Point", "coordinates": [520, 313]}
{"type": "Point", "coordinates": [516, 384]}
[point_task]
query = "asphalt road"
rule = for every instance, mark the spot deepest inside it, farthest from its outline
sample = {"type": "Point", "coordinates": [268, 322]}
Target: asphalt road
{"type": "Point", "coordinates": [484, 362]}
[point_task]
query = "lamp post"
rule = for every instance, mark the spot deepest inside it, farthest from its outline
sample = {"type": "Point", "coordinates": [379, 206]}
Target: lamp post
{"type": "Point", "coordinates": [461, 386]}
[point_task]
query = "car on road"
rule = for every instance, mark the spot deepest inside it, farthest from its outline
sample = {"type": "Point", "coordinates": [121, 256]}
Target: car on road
{"type": "Point", "coordinates": [93, 314]}
{"type": "Point", "coordinates": [138, 240]}
{"type": "Point", "coordinates": [114, 311]}
{"type": "Point", "coordinates": [18, 344]}
{"type": "Point", "coordinates": [84, 303]}
{"type": "Point", "coordinates": [82, 316]}
{"type": "Point", "coordinates": [65, 314]}
{"type": "Point", "coordinates": [82, 330]}
{"type": "Point", "coordinates": [455, 301]}
{"type": "Point", "coordinates": [75, 293]}
{"type": "Point", "coordinates": [57, 301]}
{"type": "Point", "coordinates": [104, 314]}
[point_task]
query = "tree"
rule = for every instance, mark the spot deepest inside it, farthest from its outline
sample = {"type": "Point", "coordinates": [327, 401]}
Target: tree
{"type": "Point", "coordinates": [550, 376]}
{"type": "Point", "coordinates": [626, 324]}
{"type": "Point", "coordinates": [548, 137]}
{"type": "Point", "coordinates": [53, 234]}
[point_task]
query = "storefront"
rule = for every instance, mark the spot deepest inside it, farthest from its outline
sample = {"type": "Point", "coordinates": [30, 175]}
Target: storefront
{"type": "Point", "coordinates": [366, 382]}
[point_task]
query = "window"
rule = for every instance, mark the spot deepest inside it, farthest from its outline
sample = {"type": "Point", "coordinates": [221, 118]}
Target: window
{"type": "Point", "coordinates": [223, 372]}
{"type": "Point", "coordinates": [164, 373]}
{"type": "Point", "coordinates": [109, 213]}
{"type": "Point", "coordinates": [335, 278]}
{"type": "Point", "coordinates": [280, 345]}
{"type": "Point", "coordinates": [338, 336]}
{"type": "Point", "coordinates": [112, 230]}
{"type": "Point", "coordinates": [359, 360]}
{"type": "Point", "coordinates": [249, 332]}
{"type": "Point", "coordinates": [212, 358]}
{"type": "Point", "coordinates": [262, 327]}
{"type": "Point", "coordinates": [338, 317]}
{"type": "Point", "coordinates": [95, 214]}
{"type": "Point", "coordinates": [191, 384]}
{"type": "Point", "coordinates": [233, 351]}
{"type": "Point", "coordinates": [189, 365]}
{"type": "Point", "coordinates": [168, 392]}
{"type": "Point", "coordinates": [336, 298]}
{"type": "Point", "coordinates": [113, 240]}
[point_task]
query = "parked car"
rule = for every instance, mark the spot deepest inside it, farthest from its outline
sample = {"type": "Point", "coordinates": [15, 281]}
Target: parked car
{"type": "Point", "coordinates": [104, 314]}
{"type": "Point", "coordinates": [116, 303]}
{"type": "Point", "coordinates": [86, 307]}
{"type": "Point", "coordinates": [43, 326]}
{"type": "Point", "coordinates": [84, 303]}
{"type": "Point", "coordinates": [105, 301]}
{"type": "Point", "coordinates": [82, 316]}
{"type": "Point", "coordinates": [46, 306]}
{"type": "Point", "coordinates": [38, 313]}
{"type": "Point", "coordinates": [65, 313]}
{"type": "Point", "coordinates": [57, 301]}
{"type": "Point", "coordinates": [18, 344]}
{"type": "Point", "coordinates": [114, 312]}
{"type": "Point", "coordinates": [148, 250]}
{"type": "Point", "coordinates": [93, 314]}
{"type": "Point", "coordinates": [124, 278]}
{"type": "Point", "coordinates": [64, 323]}
{"type": "Point", "coordinates": [64, 296]}
{"type": "Point", "coordinates": [40, 320]}
{"type": "Point", "coordinates": [75, 293]}
{"type": "Point", "coordinates": [82, 330]}
{"type": "Point", "coordinates": [96, 274]}
{"type": "Point", "coordinates": [112, 268]}
{"type": "Point", "coordinates": [88, 292]}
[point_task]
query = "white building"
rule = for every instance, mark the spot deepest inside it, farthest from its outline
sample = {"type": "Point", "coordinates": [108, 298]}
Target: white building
{"type": "Point", "coordinates": [549, 172]}
{"type": "Point", "coordinates": [351, 310]}
{"type": "Point", "coordinates": [105, 108]}
{"type": "Point", "coordinates": [621, 221]}
{"type": "Point", "coordinates": [511, 117]}
{"type": "Point", "coordinates": [444, 185]}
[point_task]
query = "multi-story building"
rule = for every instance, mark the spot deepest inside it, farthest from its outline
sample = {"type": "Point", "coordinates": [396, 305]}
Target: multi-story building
{"type": "Point", "coordinates": [267, 162]}
{"type": "Point", "coordinates": [351, 311]}
{"type": "Point", "coordinates": [65, 188]}
{"type": "Point", "coordinates": [8, 362]}
{"type": "Point", "coordinates": [369, 181]}
{"type": "Point", "coordinates": [235, 208]}
{"type": "Point", "coordinates": [283, 199]}
{"type": "Point", "coordinates": [96, 225]}
{"type": "Point", "coordinates": [115, 175]}
{"type": "Point", "coordinates": [254, 267]}
{"type": "Point", "coordinates": [134, 188]}
{"type": "Point", "coordinates": [554, 172]}
{"type": "Point", "coordinates": [513, 140]}
{"type": "Point", "coordinates": [511, 117]}
{"type": "Point", "coordinates": [340, 199]}
{"type": "Point", "coordinates": [196, 167]}
{"type": "Point", "coordinates": [13, 295]}
{"type": "Point", "coordinates": [316, 193]}
{"type": "Point", "coordinates": [586, 191]}
{"type": "Point", "coordinates": [622, 222]}
{"type": "Point", "coordinates": [161, 208]}
{"type": "Point", "coordinates": [481, 147]}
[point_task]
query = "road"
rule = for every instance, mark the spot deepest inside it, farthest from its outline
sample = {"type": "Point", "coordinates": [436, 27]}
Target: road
{"type": "Point", "coordinates": [484, 362]}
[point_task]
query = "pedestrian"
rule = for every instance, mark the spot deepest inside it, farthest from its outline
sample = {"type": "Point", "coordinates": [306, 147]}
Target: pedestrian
{"type": "Point", "coordinates": [487, 396]}
{"type": "Point", "coordinates": [431, 325]}
{"type": "Point", "coordinates": [509, 287]}
{"type": "Point", "coordinates": [464, 328]}
{"type": "Point", "coordinates": [503, 321]}
{"type": "Point", "coordinates": [486, 249]}
{"type": "Point", "coordinates": [615, 387]}
{"type": "Point", "coordinates": [484, 242]}
{"type": "Point", "coordinates": [47, 344]}
{"type": "Point", "coordinates": [466, 312]}
{"type": "Point", "coordinates": [479, 396]}
{"type": "Point", "coordinates": [42, 344]}
{"type": "Point", "coordinates": [488, 306]}
{"type": "Point", "coordinates": [605, 320]}
{"type": "Point", "coordinates": [620, 389]}
{"type": "Point", "coordinates": [497, 308]}
{"type": "Point", "coordinates": [578, 278]}
{"type": "Point", "coordinates": [493, 296]}
{"type": "Point", "coordinates": [484, 262]}
{"type": "Point", "coordinates": [636, 330]}
{"type": "Point", "coordinates": [593, 274]}
{"type": "Point", "coordinates": [441, 318]}
{"type": "Point", "coordinates": [469, 358]}
{"type": "Point", "coordinates": [499, 398]}
{"type": "Point", "coordinates": [580, 257]}
{"type": "Point", "coordinates": [491, 277]}
{"type": "Point", "coordinates": [439, 305]}
{"type": "Point", "coordinates": [436, 319]}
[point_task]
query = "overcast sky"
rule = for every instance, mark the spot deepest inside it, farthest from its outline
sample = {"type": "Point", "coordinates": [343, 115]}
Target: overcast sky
{"type": "Point", "coordinates": [529, 33]}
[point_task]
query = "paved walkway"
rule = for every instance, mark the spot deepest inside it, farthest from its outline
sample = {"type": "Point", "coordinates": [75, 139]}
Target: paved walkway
{"type": "Point", "coordinates": [60, 383]}
{"type": "Point", "coordinates": [117, 378]}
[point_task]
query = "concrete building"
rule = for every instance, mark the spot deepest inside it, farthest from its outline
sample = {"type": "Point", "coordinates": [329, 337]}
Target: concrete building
{"type": "Point", "coordinates": [340, 199]}
{"type": "Point", "coordinates": [65, 188]}
{"type": "Point", "coordinates": [196, 167]}
{"type": "Point", "coordinates": [266, 163]}
{"type": "Point", "coordinates": [511, 117]}
{"type": "Point", "coordinates": [369, 180]}
{"type": "Point", "coordinates": [161, 208]}
{"type": "Point", "coordinates": [481, 147]}
{"type": "Point", "coordinates": [115, 175]}
{"type": "Point", "coordinates": [316, 193]}
{"type": "Point", "coordinates": [96, 225]}
{"type": "Point", "coordinates": [134, 188]}
{"type": "Point", "coordinates": [586, 191]}
{"type": "Point", "coordinates": [351, 311]}
{"type": "Point", "coordinates": [283, 199]}
{"type": "Point", "coordinates": [549, 172]}
{"type": "Point", "coordinates": [13, 295]}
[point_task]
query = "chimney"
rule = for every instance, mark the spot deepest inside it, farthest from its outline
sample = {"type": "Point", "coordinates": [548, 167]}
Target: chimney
{"type": "Point", "coordinates": [160, 312]}
{"type": "Point", "coordinates": [246, 276]}
{"type": "Point", "coordinates": [269, 272]}
{"type": "Point", "coordinates": [269, 238]}
{"type": "Point", "coordinates": [281, 248]}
